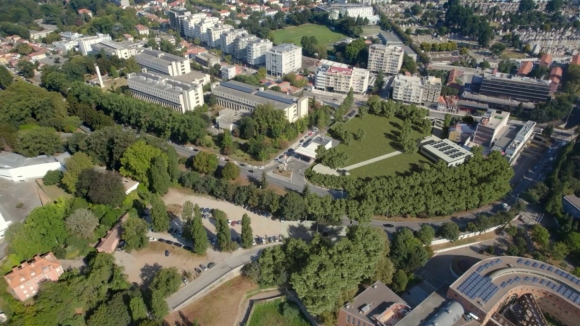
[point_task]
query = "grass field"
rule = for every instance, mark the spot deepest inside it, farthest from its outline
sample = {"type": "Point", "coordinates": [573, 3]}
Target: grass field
{"type": "Point", "coordinates": [508, 54]}
{"type": "Point", "coordinates": [381, 138]}
{"type": "Point", "coordinates": [294, 34]}
{"type": "Point", "coordinates": [270, 313]}
{"type": "Point", "coordinates": [391, 166]}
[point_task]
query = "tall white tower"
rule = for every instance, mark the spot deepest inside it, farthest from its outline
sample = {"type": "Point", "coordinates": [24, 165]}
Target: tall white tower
{"type": "Point", "coordinates": [99, 75]}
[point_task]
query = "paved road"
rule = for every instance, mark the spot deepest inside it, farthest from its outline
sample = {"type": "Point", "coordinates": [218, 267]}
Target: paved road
{"type": "Point", "coordinates": [238, 258]}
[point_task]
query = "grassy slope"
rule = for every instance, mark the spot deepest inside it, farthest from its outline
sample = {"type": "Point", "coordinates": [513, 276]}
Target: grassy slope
{"type": "Point", "coordinates": [323, 34]}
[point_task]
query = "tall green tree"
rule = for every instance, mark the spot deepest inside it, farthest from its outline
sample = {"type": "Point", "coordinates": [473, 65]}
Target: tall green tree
{"type": "Point", "coordinates": [188, 211]}
{"type": "Point", "coordinates": [199, 235]}
{"type": "Point", "coordinates": [426, 234]}
{"type": "Point", "coordinates": [166, 281]}
{"type": "Point", "coordinates": [247, 234]}
{"type": "Point", "coordinates": [292, 206]}
{"type": "Point", "coordinates": [450, 231]}
{"type": "Point", "coordinates": [135, 233]}
{"type": "Point", "coordinates": [5, 77]}
{"type": "Point", "coordinates": [205, 162]}
{"type": "Point", "coordinates": [159, 178]}
{"type": "Point", "coordinates": [82, 223]}
{"type": "Point", "coordinates": [74, 167]}
{"type": "Point", "coordinates": [159, 216]}
{"type": "Point", "coordinates": [224, 238]}
{"type": "Point", "coordinates": [137, 160]}
{"type": "Point", "coordinates": [227, 143]}
{"type": "Point", "coordinates": [38, 140]}
{"type": "Point", "coordinates": [230, 171]}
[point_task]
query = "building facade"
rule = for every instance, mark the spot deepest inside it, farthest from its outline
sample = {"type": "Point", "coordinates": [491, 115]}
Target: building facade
{"type": "Point", "coordinates": [283, 59]}
{"type": "Point", "coordinates": [417, 90]}
{"type": "Point", "coordinates": [244, 97]}
{"type": "Point", "coordinates": [202, 27]}
{"type": "Point", "coordinates": [178, 95]}
{"type": "Point", "coordinates": [190, 22]}
{"type": "Point", "coordinates": [123, 50]}
{"type": "Point", "coordinates": [228, 38]}
{"type": "Point", "coordinates": [515, 88]}
{"type": "Point", "coordinates": [17, 168]}
{"type": "Point", "coordinates": [86, 42]}
{"type": "Point", "coordinates": [24, 280]}
{"type": "Point", "coordinates": [354, 10]}
{"type": "Point", "coordinates": [207, 59]}
{"type": "Point", "coordinates": [241, 44]}
{"type": "Point", "coordinates": [336, 77]}
{"type": "Point", "coordinates": [256, 52]}
{"type": "Point", "coordinates": [228, 72]}
{"type": "Point", "coordinates": [176, 18]}
{"type": "Point", "coordinates": [385, 58]}
{"type": "Point", "coordinates": [163, 63]}
{"type": "Point", "coordinates": [489, 127]}
{"type": "Point", "coordinates": [447, 151]}
{"type": "Point", "coordinates": [214, 34]}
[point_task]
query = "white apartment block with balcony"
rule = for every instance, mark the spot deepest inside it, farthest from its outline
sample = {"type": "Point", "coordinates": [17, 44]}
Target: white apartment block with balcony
{"type": "Point", "coordinates": [163, 63]}
{"type": "Point", "coordinates": [178, 95]}
{"type": "Point", "coordinates": [241, 44]}
{"type": "Point", "coordinates": [123, 50]}
{"type": "Point", "coordinates": [283, 59]}
{"type": "Point", "coordinates": [339, 77]}
{"type": "Point", "coordinates": [245, 97]}
{"type": "Point", "coordinates": [354, 10]}
{"type": "Point", "coordinates": [190, 22]}
{"type": "Point", "coordinates": [385, 58]}
{"type": "Point", "coordinates": [214, 34]}
{"type": "Point", "coordinates": [86, 42]}
{"type": "Point", "coordinates": [417, 90]}
{"type": "Point", "coordinates": [256, 52]}
{"type": "Point", "coordinates": [228, 72]}
{"type": "Point", "coordinates": [228, 38]}
{"type": "Point", "coordinates": [202, 27]}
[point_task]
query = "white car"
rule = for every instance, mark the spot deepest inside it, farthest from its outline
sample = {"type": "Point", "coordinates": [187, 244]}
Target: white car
{"type": "Point", "coordinates": [152, 239]}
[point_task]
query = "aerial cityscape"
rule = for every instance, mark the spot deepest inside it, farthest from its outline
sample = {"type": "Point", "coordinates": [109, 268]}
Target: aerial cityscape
{"type": "Point", "coordinates": [289, 162]}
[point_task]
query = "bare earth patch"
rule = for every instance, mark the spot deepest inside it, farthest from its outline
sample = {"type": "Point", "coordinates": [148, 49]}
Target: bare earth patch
{"type": "Point", "coordinates": [219, 307]}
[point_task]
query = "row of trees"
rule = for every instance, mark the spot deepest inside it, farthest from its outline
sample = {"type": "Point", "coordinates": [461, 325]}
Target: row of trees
{"type": "Point", "coordinates": [97, 295]}
{"type": "Point", "coordinates": [435, 47]}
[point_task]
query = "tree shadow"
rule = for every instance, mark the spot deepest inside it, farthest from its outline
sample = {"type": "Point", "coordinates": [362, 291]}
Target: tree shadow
{"type": "Point", "coordinates": [184, 320]}
{"type": "Point", "coordinates": [148, 272]}
{"type": "Point", "coordinates": [300, 231]}
{"type": "Point", "coordinates": [395, 124]}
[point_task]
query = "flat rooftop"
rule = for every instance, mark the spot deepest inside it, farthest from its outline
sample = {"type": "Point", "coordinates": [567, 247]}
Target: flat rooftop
{"type": "Point", "coordinates": [163, 83]}
{"type": "Point", "coordinates": [493, 118]}
{"type": "Point", "coordinates": [10, 160]}
{"type": "Point", "coordinates": [255, 94]}
{"type": "Point", "coordinates": [515, 79]}
{"type": "Point", "coordinates": [489, 280]}
{"type": "Point", "coordinates": [372, 302]}
{"type": "Point", "coordinates": [285, 47]}
{"type": "Point", "coordinates": [160, 56]}
{"type": "Point", "coordinates": [496, 100]}
{"type": "Point", "coordinates": [447, 150]}
{"type": "Point", "coordinates": [508, 135]}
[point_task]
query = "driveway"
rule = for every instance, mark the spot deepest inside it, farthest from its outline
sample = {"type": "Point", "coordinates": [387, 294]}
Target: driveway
{"type": "Point", "coordinates": [13, 193]}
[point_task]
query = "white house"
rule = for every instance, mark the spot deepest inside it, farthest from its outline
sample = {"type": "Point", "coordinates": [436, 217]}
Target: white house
{"type": "Point", "coordinates": [16, 167]}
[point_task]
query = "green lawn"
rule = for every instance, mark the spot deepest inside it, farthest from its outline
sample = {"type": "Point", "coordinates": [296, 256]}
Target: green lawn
{"type": "Point", "coordinates": [381, 137]}
{"type": "Point", "coordinates": [271, 313]}
{"type": "Point", "coordinates": [294, 34]}
{"type": "Point", "coordinates": [508, 54]}
{"type": "Point", "coordinates": [391, 166]}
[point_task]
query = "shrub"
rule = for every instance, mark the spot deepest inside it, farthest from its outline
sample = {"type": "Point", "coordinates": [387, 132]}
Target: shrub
{"type": "Point", "coordinates": [52, 177]}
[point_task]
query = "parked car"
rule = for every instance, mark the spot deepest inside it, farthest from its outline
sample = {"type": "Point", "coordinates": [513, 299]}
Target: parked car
{"type": "Point", "coordinates": [162, 240]}
{"type": "Point", "coordinates": [389, 225]}
{"type": "Point", "coordinates": [197, 270]}
{"type": "Point", "coordinates": [166, 253]}
{"type": "Point", "coordinates": [185, 281]}
{"type": "Point", "coordinates": [229, 221]}
{"type": "Point", "coordinates": [187, 248]}
{"type": "Point", "coordinates": [211, 265]}
{"type": "Point", "coordinates": [152, 239]}
{"type": "Point", "coordinates": [202, 266]}
{"type": "Point", "coordinates": [178, 245]}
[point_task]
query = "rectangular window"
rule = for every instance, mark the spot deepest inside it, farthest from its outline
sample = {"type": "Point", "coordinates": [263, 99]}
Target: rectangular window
{"type": "Point", "coordinates": [347, 318]}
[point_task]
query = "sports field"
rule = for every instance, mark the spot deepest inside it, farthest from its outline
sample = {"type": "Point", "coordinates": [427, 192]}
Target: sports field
{"type": "Point", "coordinates": [294, 34]}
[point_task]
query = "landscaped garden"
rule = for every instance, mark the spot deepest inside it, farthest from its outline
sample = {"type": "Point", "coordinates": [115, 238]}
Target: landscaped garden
{"type": "Point", "coordinates": [277, 312]}
{"type": "Point", "coordinates": [323, 34]}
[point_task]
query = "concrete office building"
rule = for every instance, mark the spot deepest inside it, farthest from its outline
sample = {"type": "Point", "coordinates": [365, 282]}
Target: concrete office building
{"type": "Point", "coordinates": [176, 18]}
{"type": "Point", "coordinates": [498, 290]}
{"type": "Point", "coordinates": [354, 10]}
{"type": "Point", "coordinates": [202, 27]}
{"type": "Point", "coordinates": [123, 50]}
{"type": "Point", "coordinates": [513, 140]}
{"type": "Point", "coordinates": [339, 77]}
{"type": "Point", "coordinates": [163, 63]}
{"type": "Point", "coordinates": [489, 127]}
{"type": "Point", "coordinates": [179, 95]}
{"type": "Point", "coordinates": [228, 38]}
{"type": "Point", "coordinates": [523, 89]}
{"type": "Point", "coordinates": [385, 58]}
{"type": "Point", "coordinates": [228, 72]}
{"type": "Point", "coordinates": [283, 59]}
{"type": "Point", "coordinates": [190, 22]}
{"type": "Point", "coordinates": [244, 97]}
{"type": "Point", "coordinates": [214, 34]}
{"type": "Point", "coordinates": [207, 59]}
{"type": "Point", "coordinates": [86, 42]}
{"type": "Point", "coordinates": [445, 150]}
{"type": "Point", "coordinates": [256, 52]}
{"type": "Point", "coordinates": [417, 90]}
{"type": "Point", "coordinates": [241, 45]}
{"type": "Point", "coordinates": [17, 168]}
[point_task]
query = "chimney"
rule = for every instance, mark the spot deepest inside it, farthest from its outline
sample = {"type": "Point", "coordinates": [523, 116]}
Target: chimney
{"type": "Point", "coordinates": [99, 75]}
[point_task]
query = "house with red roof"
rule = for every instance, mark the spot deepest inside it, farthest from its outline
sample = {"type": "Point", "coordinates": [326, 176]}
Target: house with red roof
{"type": "Point", "coordinates": [85, 11]}
{"type": "Point", "coordinates": [24, 280]}
{"type": "Point", "coordinates": [142, 29]}
{"type": "Point", "coordinates": [546, 60]}
{"type": "Point", "coordinates": [575, 60]}
{"type": "Point", "coordinates": [525, 68]}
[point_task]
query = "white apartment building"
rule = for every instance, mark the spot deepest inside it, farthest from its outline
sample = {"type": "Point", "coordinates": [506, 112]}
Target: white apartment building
{"type": "Point", "coordinates": [339, 77]}
{"type": "Point", "coordinates": [228, 72]}
{"type": "Point", "coordinates": [86, 42]}
{"type": "Point", "coordinates": [123, 50]}
{"type": "Point", "coordinates": [228, 38]}
{"type": "Point", "coordinates": [202, 27]}
{"type": "Point", "coordinates": [176, 94]}
{"type": "Point", "coordinates": [283, 59]}
{"type": "Point", "coordinates": [244, 97]}
{"type": "Point", "coordinates": [142, 29]}
{"type": "Point", "coordinates": [176, 18]}
{"type": "Point", "coordinates": [240, 45]}
{"type": "Point", "coordinates": [190, 22]}
{"type": "Point", "coordinates": [214, 34]}
{"type": "Point", "coordinates": [163, 63]}
{"type": "Point", "coordinates": [354, 10]}
{"type": "Point", "coordinates": [385, 58]}
{"type": "Point", "coordinates": [256, 52]}
{"type": "Point", "coordinates": [417, 90]}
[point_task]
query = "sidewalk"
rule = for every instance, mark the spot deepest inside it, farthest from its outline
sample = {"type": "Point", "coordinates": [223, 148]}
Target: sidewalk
{"type": "Point", "coordinates": [372, 160]}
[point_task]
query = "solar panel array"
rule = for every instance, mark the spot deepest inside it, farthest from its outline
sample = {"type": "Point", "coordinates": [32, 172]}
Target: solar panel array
{"type": "Point", "coordinates": [448, 150]}
{"type": "Point", "coordinates": [552, 269]}
{"type": "Point", "coordinates": [238, 87]}
{"type": "Point", "coordinates": [478, 286]}
{"type": "Point", "coordinates": [275, 97]}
